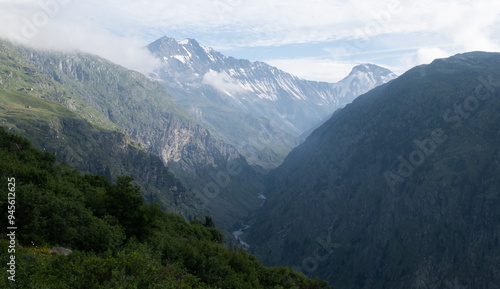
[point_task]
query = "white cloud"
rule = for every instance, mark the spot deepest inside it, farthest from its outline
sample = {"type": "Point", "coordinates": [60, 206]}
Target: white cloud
{"type": "Point", "coordinates": [279, 22]}
{"type": "Point", "coordinates": [222, 82]}
{"type": "Point", "coordinates": [106, 27]}
{"type": "Point", "coordinates": [470, 24]}
{"type": "Point", "coordinates": [53, 24]}
{"type": "Point", "coordinates": [427, 54]}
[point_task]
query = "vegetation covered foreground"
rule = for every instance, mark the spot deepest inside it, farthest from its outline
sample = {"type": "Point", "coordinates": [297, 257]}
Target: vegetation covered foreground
{"type": "Point", "coordinates": [118, 241]}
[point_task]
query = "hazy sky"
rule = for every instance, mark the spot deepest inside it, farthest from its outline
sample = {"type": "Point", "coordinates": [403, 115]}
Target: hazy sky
{"type": "Point", "coordinates": [316, 40]}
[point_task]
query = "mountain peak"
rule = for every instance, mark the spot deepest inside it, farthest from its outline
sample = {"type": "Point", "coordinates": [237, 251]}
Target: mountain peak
{"type": "Point", "coordinates": [187, 41]}
{"type": "Point", "coordinates": [368, 67]}
{"type": "Point", "coordinates": [166, 41]}
{"type": "Point", "coordinates": [183, 41]}
{"type": "Point", "coordinates": [239, 89]}
{"type": "Point", "coordinates": [370, 72]}
{"type": "Point", "coordinates": [363, 67]}
{"type": "Point", "coordinates": [361, 79]}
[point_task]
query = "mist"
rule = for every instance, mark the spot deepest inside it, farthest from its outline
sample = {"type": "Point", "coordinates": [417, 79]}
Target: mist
{"type": "Point", "coordinates": [52, 25]}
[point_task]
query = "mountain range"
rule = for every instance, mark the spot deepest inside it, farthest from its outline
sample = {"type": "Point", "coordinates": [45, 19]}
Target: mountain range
{"type": "Point", "coordinates": [257, 108]}
{"type": "Point", "coordinates": [35, 105]}
{"type": "Point", "coordinates": [87, 94]}
{"type": "Point", "coordinates": [101, 110]}
{"type": "Point", "coordinates": [395, 188]}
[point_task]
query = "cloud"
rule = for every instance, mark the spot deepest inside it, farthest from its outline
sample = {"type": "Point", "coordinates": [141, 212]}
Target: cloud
{"type": "Point", "coordinates": [427, 54]}
{"type": "Point", "coordinates": [440, 27]}
{"type": "Point", "coordinates": [279, 22]}
{"type": "Point", "coordinates": [222, 82]}
{"type": "Point", "coordinates": [107, 27]}
{"type": "Point", "coordinates": [471, 25]}
{"type": "Point", "coordinates": [54, 24]}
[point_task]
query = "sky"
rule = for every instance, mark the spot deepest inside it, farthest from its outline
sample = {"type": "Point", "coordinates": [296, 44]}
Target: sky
{"type": "Point", "coordinates": [316, 40]}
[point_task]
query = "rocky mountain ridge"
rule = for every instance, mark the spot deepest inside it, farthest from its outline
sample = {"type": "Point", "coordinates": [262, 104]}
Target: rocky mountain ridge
{"type": "Point", "coordinates": [107, 94]}
{"type": "Point", "coordinates": [257, 108]}
{"type": "Point", "coordinates": [36, 106]}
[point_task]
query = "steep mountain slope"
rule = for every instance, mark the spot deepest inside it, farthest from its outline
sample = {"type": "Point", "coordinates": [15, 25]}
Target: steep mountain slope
{"type": "Point", "coordinates": [111, 238]}
{"type": "Point", "coordinates": [400, 189]}
{"type": "Point", "coordinates": [30, 106]}
{"type": "Point", "coordinates": [224, 183]}
{"type": "Point", "coordinates": [257, 108]}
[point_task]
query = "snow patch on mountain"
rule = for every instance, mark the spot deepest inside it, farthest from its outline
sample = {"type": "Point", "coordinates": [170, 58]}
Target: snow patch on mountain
{"type": "Point", "coordinates": [181, 58]}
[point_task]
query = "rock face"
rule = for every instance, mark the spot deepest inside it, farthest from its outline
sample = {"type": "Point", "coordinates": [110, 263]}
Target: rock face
{"type": "Point", "coordinates": [92, 145]}
{"type": "Point", "coordinates": [130, 102]}
{"type": "Point", "coordinates": [257, 108]}
{"type": "Point", "coordinates": [400, 189]}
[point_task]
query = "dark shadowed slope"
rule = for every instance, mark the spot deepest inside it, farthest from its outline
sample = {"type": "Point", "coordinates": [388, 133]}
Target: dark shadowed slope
{"type": "Point", "coordinates": [400, 189]}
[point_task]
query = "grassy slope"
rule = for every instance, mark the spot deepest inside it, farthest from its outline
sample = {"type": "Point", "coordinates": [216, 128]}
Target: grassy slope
{"type": "Point", "coordinates": [145, 111]}
{"type": "Point", "coordinates": [117, 240]}
{"type": "Point", "coordinates": [33, 105]}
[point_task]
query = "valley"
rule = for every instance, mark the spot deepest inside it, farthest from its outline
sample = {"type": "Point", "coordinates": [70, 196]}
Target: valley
{"type": "Point", "coordinates": [376, 181]}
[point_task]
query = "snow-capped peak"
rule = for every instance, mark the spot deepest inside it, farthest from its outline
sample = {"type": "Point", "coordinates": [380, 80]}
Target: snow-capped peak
{"type": "Point", "coordinates": [256, 87]}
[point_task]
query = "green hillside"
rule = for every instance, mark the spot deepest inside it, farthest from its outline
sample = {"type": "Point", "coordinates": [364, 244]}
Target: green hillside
{"type": "Point", "coordinates": [37, 107]}
{"type": "Point", "coordinates": [117, 240]}
{"type": "Point", "coordinates": [113, 97]}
